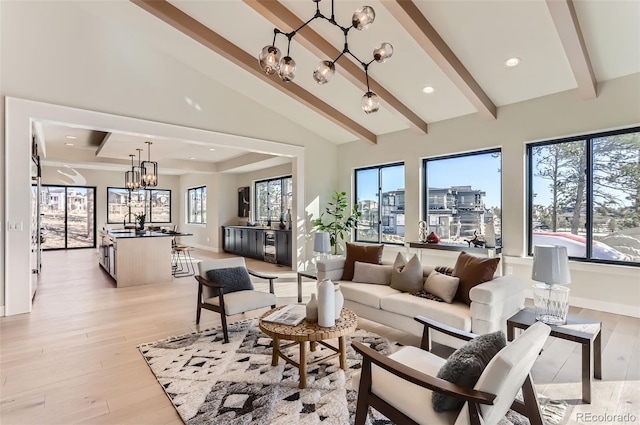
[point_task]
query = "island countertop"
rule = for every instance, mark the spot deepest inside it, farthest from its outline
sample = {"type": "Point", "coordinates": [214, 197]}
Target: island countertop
{"type": "Point", "coordinates": [118, 234]}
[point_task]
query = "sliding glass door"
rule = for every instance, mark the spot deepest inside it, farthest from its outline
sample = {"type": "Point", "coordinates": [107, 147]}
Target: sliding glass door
{"type": "Point", "coordinates": [68, 217]}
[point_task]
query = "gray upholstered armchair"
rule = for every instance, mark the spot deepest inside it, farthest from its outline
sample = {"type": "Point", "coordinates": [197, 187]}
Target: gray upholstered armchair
{"type": "Point", "coordinates": [224, 286]}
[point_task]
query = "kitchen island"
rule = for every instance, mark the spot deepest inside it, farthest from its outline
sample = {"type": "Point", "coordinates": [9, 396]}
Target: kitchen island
{"type": "Point", "coordinates": [136, 259]}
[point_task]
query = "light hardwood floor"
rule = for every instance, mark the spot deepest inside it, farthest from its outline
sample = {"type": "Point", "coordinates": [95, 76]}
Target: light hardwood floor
{"type": "Point", "coordinates": [74, 359]}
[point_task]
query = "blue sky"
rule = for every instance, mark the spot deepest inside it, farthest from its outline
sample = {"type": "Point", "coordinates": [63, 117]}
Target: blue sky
{"type": "Point", "coordinates": [481, 172]}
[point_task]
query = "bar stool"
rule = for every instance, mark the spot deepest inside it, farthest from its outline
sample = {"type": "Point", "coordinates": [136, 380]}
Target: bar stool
{"type": "Point", "coordinates": [181, 261]}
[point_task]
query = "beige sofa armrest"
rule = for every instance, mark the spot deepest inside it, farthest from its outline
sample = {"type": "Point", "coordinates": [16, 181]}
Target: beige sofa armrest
{"type": "Point", "coordinates": [497, 290]}
{"type": "Point", "coordinates": [331, 268]}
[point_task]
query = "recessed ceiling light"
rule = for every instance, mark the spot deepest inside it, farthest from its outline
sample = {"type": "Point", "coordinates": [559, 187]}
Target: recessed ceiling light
{"type": "Point", "coordinates": [68, 144]}
{"type": "Point", "coordinates": [191, 157]}
{"type": "Point", "coordinates": [428, 89]}
{"type": "Point", "coordinates": [66, 166]}
{"type": "Point", "coordinates": [511, 62]}
{"type": "Point", "coordinates": [71, 137]}
{"type": "Point", "coordinates": [212, 149]}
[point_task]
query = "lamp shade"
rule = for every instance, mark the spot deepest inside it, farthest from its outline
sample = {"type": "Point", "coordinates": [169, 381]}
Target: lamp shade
{"type": "Point", "coordinates": [551, 264]}
{"type": "Point", "coordinates": [321, 242]}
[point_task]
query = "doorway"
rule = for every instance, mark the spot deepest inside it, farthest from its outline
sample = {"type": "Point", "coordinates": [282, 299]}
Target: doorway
{"type": "Point", "coordinates": [68, 216]}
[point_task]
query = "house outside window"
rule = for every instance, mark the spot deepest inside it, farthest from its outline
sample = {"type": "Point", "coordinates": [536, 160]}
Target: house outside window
{"type": "Point", "coordinates": [463, 195]}
{"type": "Point", "coordinates": [584, 193]}
{"type": "Point", "coordinates": [273, 197]}
{"type": "Point", "coordinates": [197, 205]}
{"type": "Point", "coordinates": [122, 205]}
{"type": "Point", "coordinates": [380, 198]}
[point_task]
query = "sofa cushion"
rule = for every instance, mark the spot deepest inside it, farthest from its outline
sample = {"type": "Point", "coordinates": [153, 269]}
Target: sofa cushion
{"type": "Point", "coordinates": [465, 366]}
{"type": "Point", "coordinates": [472, 271]}
{"type": "Point", "coordinates": [407, 276]}
{"type": "Point", "coordinates": [232, 278]}
{"type": "Point", "coordinates": [442, 285]}
{"type": "Point", "coordinates": [363, 253]}
{"type": "Point", "coordinates": [378, 274]}
{"type": "Point", "coordinates": [364, 293]}
{"type": "Point", "coordinates": [456, 314]}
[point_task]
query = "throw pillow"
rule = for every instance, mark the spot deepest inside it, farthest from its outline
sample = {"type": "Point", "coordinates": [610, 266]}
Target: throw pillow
{"type": "Point", "coordinates": [442, 285]}
{"type": "Point", "coordinates": [472, 271]}
{"type": "Point", "coordinates": [465, 366]}
{"type": "Point", "coordinates": [233, 278]}
{"type": "Point", "coordinates": [372, 273]}
{"type": "Point", "coordinates": [363, 253]}
{"type": "Point", "coordinates": [407, 276]}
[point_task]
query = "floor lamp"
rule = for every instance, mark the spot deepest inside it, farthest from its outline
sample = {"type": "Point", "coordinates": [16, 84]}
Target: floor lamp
{"type": "Point", "coordinates": [551, 299]}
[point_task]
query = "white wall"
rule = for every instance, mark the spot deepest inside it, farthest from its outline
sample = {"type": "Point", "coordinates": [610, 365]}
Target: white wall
{"type": "Point", "coordinates": [611, 288]}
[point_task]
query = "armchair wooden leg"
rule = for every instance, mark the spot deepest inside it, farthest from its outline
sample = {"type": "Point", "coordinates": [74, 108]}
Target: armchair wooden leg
{"type": "Point", "coordinates": [224, 327]}
{"type": "Point", "coordinates": [363, 393]}
{"type": "Point", "coordinates": [199, 310]}
{"type": "Point", "coordinates": [531, 402]}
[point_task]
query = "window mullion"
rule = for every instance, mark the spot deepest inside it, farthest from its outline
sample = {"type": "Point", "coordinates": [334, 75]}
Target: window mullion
{"type": "Point", "coordinates": [589, 200]}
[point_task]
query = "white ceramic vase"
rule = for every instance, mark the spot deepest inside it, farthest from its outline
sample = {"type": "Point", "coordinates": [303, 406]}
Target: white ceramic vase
{"type": "Point", "coordinates": [326, 304]}
{"type": "Point", "coordinates": [312, 309]}
{"type": "Point", "coordinates": [287, 219]}
{"type": "Point", "coordinates": [339, 300]}
{"type": "Point", "coordinates": [490, 235]}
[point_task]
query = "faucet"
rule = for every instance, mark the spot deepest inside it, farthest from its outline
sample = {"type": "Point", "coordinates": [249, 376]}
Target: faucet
{"type": "Point", "coordinates": [124, 219]}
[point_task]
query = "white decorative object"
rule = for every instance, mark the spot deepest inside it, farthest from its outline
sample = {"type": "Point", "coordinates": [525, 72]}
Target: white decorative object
{"type": "Point", "coordinates": [490, 235]}
{"type": "Point", "coordinates": [322, 245]}
{"type": "Point", "coordinates": [287, 218]}
{"type": "Point", "coordinates": [312, 309]}
{"type": "Point", "coordinates": [339, 300]}
{"type": "Point", "coordinates": [326, 304]}
{"type": "Point", "coordinates": [551, 266]}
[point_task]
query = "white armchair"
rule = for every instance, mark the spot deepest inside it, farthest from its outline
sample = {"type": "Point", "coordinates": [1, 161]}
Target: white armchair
{"type": "Point", "coordinates": [400, 386]}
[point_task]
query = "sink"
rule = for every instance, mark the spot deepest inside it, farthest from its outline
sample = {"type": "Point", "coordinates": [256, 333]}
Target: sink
{"type": "Point", "coordinates": [121, 231]}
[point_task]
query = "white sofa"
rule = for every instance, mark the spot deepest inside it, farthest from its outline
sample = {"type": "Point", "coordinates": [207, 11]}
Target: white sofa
{"type": "Point", "coordinates": [492, 303]}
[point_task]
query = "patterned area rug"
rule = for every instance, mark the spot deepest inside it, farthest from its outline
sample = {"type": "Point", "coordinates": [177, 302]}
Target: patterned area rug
{"type": "Point", "coordinates": [209, 382]}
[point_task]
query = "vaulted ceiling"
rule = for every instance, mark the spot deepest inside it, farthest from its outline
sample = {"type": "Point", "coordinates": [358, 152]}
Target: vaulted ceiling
{"type": "Point", "coordinates": [458, 48]}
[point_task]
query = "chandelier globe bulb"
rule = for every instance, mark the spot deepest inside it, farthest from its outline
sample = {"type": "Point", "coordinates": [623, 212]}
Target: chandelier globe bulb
{"type": "Point", "coordinates": [287, 69]}
{"type": "Point", "coordinates": [324, 72]}
{"type": "Point", "coordinates": [370, 102]}
{"type": "Point", "coordinates": [269, 59]}
{"type": "Point", "coordinates": [363, 17]}
{"type": "Point", "coordinates": [383, 53]}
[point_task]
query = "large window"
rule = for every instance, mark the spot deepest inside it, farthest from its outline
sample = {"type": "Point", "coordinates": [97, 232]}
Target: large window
{"type": "Point", "coordinates": [273, 197]}
{"type": "Point", "coordinates": [197, 205]}
{"type": "Point", "coordinates": [584, 193]}
{"type": "Point", "coordinates": [463, 196]}
{"type": "Point", "coordinates": [122, 205]}
{"type": "Point", "coordinates": [380, 197]}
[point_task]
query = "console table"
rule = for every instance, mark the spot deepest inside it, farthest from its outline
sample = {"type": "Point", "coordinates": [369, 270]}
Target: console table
{"type": "Point", "coordinates": [444, 246]}
{"type": "Point", "coordinates": [586, 332]}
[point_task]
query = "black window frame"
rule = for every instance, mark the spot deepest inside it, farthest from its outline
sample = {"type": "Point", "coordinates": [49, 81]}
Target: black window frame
{"type": "Point", "coordinates": [283, 195]}
{"type": "Point", "coordinates": [588, 139]}
{"type": "Point", "coordinates": [380, 201]}
{"type": "Point", "coordinates": [203, 221]}
{"type": "Point", "coordinates": [129, 217]}
{"type": "Point", "coordinates": [425, 184]}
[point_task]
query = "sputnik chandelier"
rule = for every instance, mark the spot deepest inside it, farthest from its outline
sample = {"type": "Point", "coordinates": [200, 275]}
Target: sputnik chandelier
{"type": "Point", "coordinates": [272, 62]}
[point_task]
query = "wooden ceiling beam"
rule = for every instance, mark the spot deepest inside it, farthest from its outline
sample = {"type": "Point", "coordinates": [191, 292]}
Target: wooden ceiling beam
{"type": "Point", "coordinates": [285, 20]}
{"type": "Point", "coordinates": [415, 23]}
{"type": "Point", "coordinates": [564, 17]}
{"type": "Point", "coordinates": [189, 26]}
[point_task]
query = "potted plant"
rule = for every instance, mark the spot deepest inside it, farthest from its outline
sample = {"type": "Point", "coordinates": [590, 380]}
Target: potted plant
{"type": "Point", "coordinates": [335, 221]}
{"type": "Point", "coordinates": [140, 219]}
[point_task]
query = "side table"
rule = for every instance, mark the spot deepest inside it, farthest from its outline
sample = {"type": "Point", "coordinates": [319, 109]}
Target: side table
{"type": "Point", "coordinates": [586, 332]}
{"type": "Point", "coordinates": [309, 274]}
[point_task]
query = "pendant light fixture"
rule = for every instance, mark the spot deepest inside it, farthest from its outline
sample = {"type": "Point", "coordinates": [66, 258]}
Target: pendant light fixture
{"type": "Point", "coordinates": [132, 177]}
{"type": "Point", "coordinates": [272, 62]}
{"type": "Point", "coordinates": [149, 170]}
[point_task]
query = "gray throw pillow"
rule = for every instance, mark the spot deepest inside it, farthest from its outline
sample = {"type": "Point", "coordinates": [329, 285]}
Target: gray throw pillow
{"type": "Point", "coordinates": [233, 278]}
{"type": "Point", "coordinates": [407, 276]}
{"type": "Point", "coordinates": [465, 366]}
{"type": "Point", "coordinates": [442, 285]}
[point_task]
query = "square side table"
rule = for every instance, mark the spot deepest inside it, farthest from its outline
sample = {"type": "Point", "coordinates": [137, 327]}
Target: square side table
{"type": "Point", "coordinates": [586, 332]}
{"type": "Point", "coordinates": [309, 274]}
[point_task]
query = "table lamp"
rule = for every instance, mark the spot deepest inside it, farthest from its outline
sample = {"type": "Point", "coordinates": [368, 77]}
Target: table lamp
{"type": "Point", "coordinates": [551, 299]}
{"type": "Point", "coordinates": [321, 245]}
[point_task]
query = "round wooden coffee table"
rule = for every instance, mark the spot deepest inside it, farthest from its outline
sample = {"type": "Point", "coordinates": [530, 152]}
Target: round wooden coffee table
{"type": "Point", "coordinates": [312, 333]}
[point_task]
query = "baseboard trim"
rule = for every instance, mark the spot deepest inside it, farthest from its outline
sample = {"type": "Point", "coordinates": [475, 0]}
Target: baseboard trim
{"type": "Point", "coordinates": [205, 247]}
{"type": "Point", "coordinates": [2, 311]}
{"type": "Point", "coordinates": [608, 307]}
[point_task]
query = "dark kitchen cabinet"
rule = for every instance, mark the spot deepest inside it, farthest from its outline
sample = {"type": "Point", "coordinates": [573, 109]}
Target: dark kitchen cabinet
{"type": "Point", "coordinates": [283, 247]}
{"type": "Point", "coordinates": [249, 242]}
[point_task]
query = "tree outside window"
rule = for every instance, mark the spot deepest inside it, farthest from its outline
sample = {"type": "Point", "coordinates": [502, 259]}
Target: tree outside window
{"type": "Point", "coordinates": [273, 197]}
{"type": "Point", "coordinates": [197, 205]}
